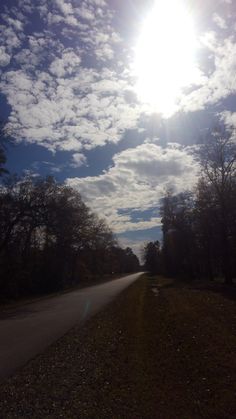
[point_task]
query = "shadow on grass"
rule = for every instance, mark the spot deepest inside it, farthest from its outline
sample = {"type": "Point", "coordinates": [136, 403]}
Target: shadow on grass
{"type": "Point", "coordinates": [227, 291]}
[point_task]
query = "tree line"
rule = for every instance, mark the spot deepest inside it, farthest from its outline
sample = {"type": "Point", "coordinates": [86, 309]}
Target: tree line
{"type": "Point", "coordinates": [50, 240]}
{"type": "Point", "coordinates": [199, 226]}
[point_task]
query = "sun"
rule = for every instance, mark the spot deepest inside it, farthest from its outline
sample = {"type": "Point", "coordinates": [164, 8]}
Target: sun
{"type": "Point", "coordinates": [165, 56]}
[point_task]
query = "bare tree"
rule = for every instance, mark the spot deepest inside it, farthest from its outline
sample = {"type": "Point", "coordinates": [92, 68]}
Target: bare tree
{"type": "Point", "coordinates": [49, 239]}
{"type": "Point", "coordinates": [218, 160]}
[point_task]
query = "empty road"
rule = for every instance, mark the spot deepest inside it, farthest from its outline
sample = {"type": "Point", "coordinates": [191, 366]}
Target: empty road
{"type": "Point", "coordinates": [27, 330]}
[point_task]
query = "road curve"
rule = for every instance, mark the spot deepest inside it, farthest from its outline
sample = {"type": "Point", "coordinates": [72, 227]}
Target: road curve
{"type": "Point", "coordinates": [27, 330]}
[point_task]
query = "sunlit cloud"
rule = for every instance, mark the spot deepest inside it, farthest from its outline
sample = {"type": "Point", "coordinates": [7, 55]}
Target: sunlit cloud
{"type": "Point", "coordinates": [138, 178]}
{"type": "Point", "coordinates": [78, 160]}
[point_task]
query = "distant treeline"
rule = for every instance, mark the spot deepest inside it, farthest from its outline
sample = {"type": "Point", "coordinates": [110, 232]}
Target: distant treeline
{"type": "Point", "coordinates": [199, 227]}
{"type": "Point", "coordinates": [50, 240]}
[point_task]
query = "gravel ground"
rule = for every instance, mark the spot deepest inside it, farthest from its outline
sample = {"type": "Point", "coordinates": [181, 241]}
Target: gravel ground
{"type": "Point", "coordinates": [161, 350]}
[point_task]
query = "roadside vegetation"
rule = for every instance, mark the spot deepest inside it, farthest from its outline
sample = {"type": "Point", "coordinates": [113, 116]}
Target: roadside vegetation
{"type": "Point", "coordinates": [199, 226]}
{"type": "Point", "coordinates": [51, 240]}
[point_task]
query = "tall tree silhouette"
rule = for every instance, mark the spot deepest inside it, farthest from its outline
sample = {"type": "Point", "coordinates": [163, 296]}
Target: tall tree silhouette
{"type": "Point", "coordinates": [218, 160]}
{"type": "Point", "coordinates": [152, 259]}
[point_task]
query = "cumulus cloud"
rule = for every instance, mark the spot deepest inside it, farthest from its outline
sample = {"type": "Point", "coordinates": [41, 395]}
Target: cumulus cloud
{"type": "Point", "coordinates": [66, 65]}
{"type": "Point", "coordinates": [68, 112]}
{"type": "Point", "coordinates": [14, 23]}
{"type": "Point", "coordinates": [10, 38]}
{"type": "Point", "coordinates": [229, 119]}
{"type": "Point", "coordinates": [4, 57]}
{"type": "Point", "coordinates": [56, 99]}
{"type": "Point", "coordinates": [219, 21]}
{"type": "Point", "coordinates": [219, 81]}
{"type": "Point", "coordinates": [138, 179]}
{"type": "Point", "coordinates": [65, 7]}
{"type": "Point", "coordinates": [70, 88]}
{"type": "Point", "coordinates": [78, 160]}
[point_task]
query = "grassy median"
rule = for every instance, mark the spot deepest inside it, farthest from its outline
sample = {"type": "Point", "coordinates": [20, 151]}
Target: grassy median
{"type": "Point", "coordinates": [162, 350]}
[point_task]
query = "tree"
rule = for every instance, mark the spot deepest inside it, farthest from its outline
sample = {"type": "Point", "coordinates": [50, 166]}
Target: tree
{"type": "Point", "coordinates": [206, 230]}
{"type": "Point", "coordinates": [178, 251]}
{"type": "Point", "coordinates": [152, 259]}
{"type": "Point", "coordinates": [199, 226]}
{"type": "Point", "coordinates": [49, 239]}
{"type": "Point", "coordinates": [218, 161]}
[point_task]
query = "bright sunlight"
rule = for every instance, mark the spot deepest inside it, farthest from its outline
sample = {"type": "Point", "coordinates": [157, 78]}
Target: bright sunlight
{"type": "Point", "coordinates": [165, 56]}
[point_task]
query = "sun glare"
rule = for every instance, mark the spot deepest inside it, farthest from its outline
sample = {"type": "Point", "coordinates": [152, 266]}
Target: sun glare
{"type": "Point", "coordinates": [164, 56]}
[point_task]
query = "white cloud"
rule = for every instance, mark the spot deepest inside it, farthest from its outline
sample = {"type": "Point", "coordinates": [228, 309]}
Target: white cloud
{"type": "Point", "coordinates": [90, 25]}
{"type": "Point", "coordinates": [4, 57]}
{"type": "Point", "coordinates": [229, 119]}
{"type": "Point", "coordinates": [66, 65]}
{"type": "Point", "coordinates": [9, 38]}
{"type": "Point", "coordinates": [138, 179]}
{"type": "Point", "coordinates": [79, 160]}
{"type": "Point", "coordinates": [219, 21]}
{"type": "Point", "coordinates": [15, 23]}
{"type": "Point", "coordinates": [89, 21]}
{"type": "Point", "coordinates": [85, 12]}
{"type": "Point", "coordinates": [220, 83]}
{"type": "Point", "coordinates": [71, 109]}
{"type": "Point", "coordinates": [65, 7]}
{"type": "Point", "coordinates": [56, 99]}
{"type": "Point", "coordinates": [124, 224]}
{"type": "Point", "coordinates": [70, 88]}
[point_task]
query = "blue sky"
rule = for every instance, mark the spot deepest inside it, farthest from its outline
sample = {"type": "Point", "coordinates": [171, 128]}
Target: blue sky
{"type": "Point", "coordinates": [87, 100]}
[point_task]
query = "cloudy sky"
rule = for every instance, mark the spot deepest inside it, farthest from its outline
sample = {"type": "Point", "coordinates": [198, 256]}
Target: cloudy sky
{"type": "Point", "coordinates": [112, 97]}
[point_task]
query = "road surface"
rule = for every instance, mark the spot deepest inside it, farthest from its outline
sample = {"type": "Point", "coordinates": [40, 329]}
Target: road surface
{"type": "Point", "coordinates": [27, 330]}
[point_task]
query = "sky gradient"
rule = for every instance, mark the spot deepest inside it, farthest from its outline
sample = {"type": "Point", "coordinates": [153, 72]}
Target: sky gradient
{"type": "Point", "coordinates": [70, 100]}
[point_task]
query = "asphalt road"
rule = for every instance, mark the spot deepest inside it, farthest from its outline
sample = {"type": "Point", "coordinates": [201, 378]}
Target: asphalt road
{"type": "Point", "coordinates": [27, 330]}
